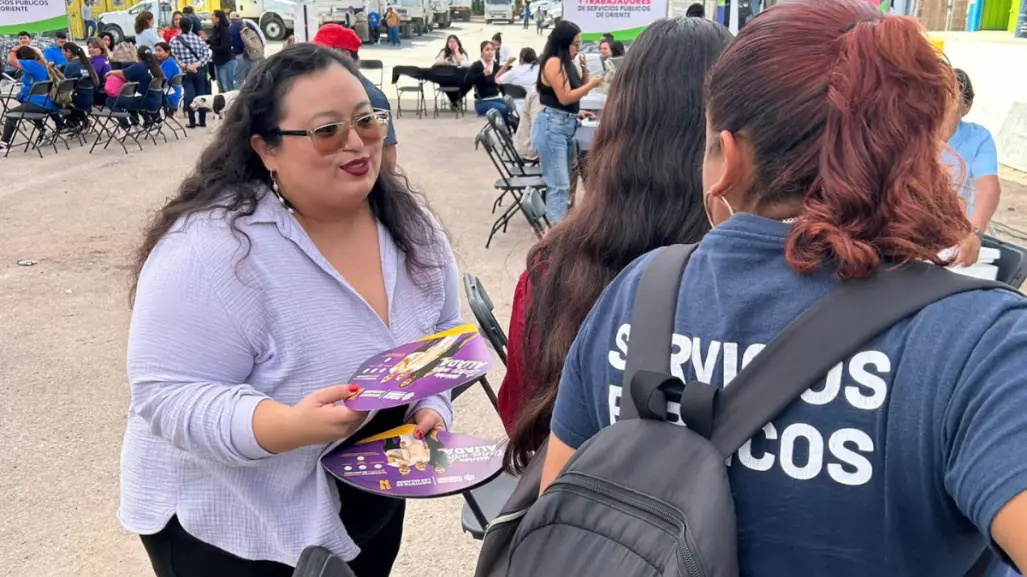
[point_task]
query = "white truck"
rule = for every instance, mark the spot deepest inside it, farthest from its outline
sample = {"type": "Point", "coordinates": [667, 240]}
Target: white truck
{"type": "Point", "coordinates": [121, 23]}
{"type": "Point", "coordinates": [460, 10]}
{"type": "Point", "coordinates": [440, 9]}
{"type": "Point", "coordinates": [275, 17]}
{"type": "Point", "coordinates": [416, 17]}
{"type": "Point", "coordinates": [499, 10]}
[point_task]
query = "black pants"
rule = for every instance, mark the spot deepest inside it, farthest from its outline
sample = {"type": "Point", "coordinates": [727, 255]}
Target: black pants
{"type": "Point", "coordinates": [195, 84]}
{"type": "Point", "coordinates": [11, 124]}
{"type": "Point", "coordinates": [375, 524]}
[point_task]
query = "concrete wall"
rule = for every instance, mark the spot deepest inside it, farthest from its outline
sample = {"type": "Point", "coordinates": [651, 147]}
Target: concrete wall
{"type": "Point", "coordinates": [993, 61]}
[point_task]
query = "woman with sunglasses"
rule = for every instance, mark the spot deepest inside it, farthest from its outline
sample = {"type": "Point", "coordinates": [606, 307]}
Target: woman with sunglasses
{"type": "Point", "coordinates": [287, 258]}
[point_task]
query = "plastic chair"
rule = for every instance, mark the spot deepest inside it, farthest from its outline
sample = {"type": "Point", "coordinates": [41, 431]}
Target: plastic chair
{"type": "Point", "coordinates": [153, 117]}
{"type": "Point", "coordinates": [37, 119]}
{"type": "Point", "coordinates": [375, 65]}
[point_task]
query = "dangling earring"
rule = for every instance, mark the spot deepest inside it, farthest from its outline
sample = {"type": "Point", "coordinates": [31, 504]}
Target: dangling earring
{"type": "Point", "coordinates": [278, 194]}
{"type": "Point", "coordinates": [709, 213]}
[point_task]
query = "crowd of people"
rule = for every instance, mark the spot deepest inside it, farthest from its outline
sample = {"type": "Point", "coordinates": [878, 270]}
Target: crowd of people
{"type": "Point", "coordinates": [104, 67]}
{"type": "Point", "coordinates": [797, 167]}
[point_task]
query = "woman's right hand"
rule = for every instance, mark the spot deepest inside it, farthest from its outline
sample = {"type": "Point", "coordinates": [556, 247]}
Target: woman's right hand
{"type": "Point", "coordinates": [321, 417]}
{"type": "Point", "coordinates": [595, 81]}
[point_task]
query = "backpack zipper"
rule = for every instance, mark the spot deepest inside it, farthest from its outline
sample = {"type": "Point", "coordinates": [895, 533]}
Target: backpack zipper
{"type": "Point", "coordinates": [670, 519]}
{"type": "Point", "coordinates": [501, 519]}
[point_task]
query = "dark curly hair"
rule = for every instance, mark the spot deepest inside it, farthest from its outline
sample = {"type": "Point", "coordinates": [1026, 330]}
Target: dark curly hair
{"type": "Point", "coordinates": [230, 176]}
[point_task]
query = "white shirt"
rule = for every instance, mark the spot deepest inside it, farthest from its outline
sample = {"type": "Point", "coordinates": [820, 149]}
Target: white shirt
{"type": "Point", "coordinates": [504, 54]}
{"type": "Point", "coordinates": [213, 334]}
{"type": "Point", "coordinates": [522, 75]}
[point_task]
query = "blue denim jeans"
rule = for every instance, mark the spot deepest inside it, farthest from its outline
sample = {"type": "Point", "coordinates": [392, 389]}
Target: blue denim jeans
{"type": "Point", "coordinates": [243, 66]}
{"type": "Point", "coordinates": [226, 76]}
{"type": "Point", "coordinates": [393, 35]}
{"type": "Point", "coordinates": [483, 106]}
{"type": "Point", "coordinates": [552, 134]}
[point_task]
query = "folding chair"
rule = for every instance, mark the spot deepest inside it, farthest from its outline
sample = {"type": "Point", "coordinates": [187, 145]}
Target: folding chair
{"type": "Point", "coordinates": [482, 505]}
{"type": "Point", "coordinates": [106, 120]}
{"type": "Point", "coordinates": [514, 91]}
{"type": "Point", "coordinates": [511, 157]}
{"type": "Point", "coordinates": [482, 308]}
{"type": "Point", "coordinates": [1012, 261]}
{"type": "Point", "coordinates": [9, 89]}
{"type": "Point", "coordinates": [153, 117]}
{"type": "Point", "coordinates": [65, 93]}
{"type": "Point", "coordinates": [511, 113]}
{"type": "Point", "coordinates": [79, 132]}
{"type": "Point", "coordinates": [375, 65]}
{"type": "Point", "coordinates": [449, 80]}
{"type": "Point", "coordinates": [534, 209]}
{"type": "Point", "coordinates": [36, 119]}
{"type": "Point", "coordinates": [417, 74]}
{"type": "Point", "coordinates": [507, 183]}
{"type": "Point", "coordinates": [168, 111]}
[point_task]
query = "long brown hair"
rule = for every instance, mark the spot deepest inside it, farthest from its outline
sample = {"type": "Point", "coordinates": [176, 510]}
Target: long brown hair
{"type": "Point", "coordinates": [143, 21]}
{"type": "Point", "coordinates": [848, 121]}
{"type": "Point", "coordinates": [645, 191]}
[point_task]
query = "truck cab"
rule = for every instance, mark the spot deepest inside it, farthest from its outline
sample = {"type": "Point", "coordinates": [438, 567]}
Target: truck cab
{"type": "Point", "coordinates": [499, 10]}
{"type": "Point", "coordinates": [276, 18]}
{"type": "Point", "coordinates": [121, 23]}
{"type": "Point", "coordinates": [460, 10]}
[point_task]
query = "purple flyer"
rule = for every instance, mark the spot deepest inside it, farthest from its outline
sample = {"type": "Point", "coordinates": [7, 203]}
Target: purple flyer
{"type": "Point", "coordinates": [420, 369]}
{"type": "Point", "coordinates": [397, 464]}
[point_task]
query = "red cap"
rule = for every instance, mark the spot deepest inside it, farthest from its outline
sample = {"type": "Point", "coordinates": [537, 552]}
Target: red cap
{"type": "Point", "coordinates": [337, 36]}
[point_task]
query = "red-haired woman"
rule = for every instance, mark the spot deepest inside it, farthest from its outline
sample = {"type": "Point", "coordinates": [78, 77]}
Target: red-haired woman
{"type": "Point", "coordinates": [913, 456]}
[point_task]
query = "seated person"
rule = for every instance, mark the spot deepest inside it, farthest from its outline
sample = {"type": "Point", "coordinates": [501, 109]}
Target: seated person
{"type": "Point", "coordinates": [141, 73]}
{"type": "Point", "coordinates": [973, 159]}
{"type": "Point", "coordinates": [30, 62]}
{"type": "Point", "coordinates": [453, 54]}
{"type": "Point", "coordinates": [482, 77]}
{"type": "Point", "coordinates": [80, 67]}
{"type": "Point", "coordinates": [169, 66]}
{"type": "Point", "coordinates": [525, 73]}
{"type": "Point", "coordinates": [54, 53]}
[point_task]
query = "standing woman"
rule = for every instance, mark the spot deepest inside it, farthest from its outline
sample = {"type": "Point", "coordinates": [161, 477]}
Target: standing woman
{"type": "Point", "coordinates": [192, 55]}
{"type": "Point", "coordinates": [236, 383]}
{"type": "Point", "coordinates": [907, 458]}
{"type": "Point", "coordinates": [223, 53]}
{"type": "Point", "coordinates": [146, 34]}
{"type": "Point", "coordinates": [560, 88]}
{"type": "Point", "coordinates": [648, 195]}
{"type": "Point", "coordinates": [482, 77]}
{"type": "Point", "coordinates": [175, 29]}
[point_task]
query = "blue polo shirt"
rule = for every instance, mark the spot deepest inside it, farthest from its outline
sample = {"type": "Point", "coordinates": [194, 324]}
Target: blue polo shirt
{"type": "Point", "coordinates": [34, 72]}
{"type": "Point", "coordinates": [894, 465]}
{"type": "Point", "coordinates": [55, 54]}
{"type": "Point", "coordinates": [171, 69]}
{"type": "Point", "coordinates": [975, 145]}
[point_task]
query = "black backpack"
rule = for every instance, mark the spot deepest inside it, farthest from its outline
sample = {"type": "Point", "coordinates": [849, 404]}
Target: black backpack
{"type": "Point", "coordinates": [645, 498]}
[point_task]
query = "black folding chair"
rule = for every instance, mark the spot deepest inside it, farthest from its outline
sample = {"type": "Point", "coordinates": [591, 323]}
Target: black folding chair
{"type": "Point", "coordinates": [375, 65]}
{"type": "Point", "coordinates": [1012, 261]}
{"type": "Point", "coordinates": [482, 308]}
{"type": "Point", "coordinates": [511, 157]}
{"type": "Point", "coordinates": [36, 119]}
{"type": "Point", "coordinates": [449, 80]}
{"type": "Point", "coordinates": [168, 112]}
{"type": "Point", "coordinates": [534, 209]}
{"type": "Point", "coordinates": [9, 90]}
{"type": "Point", "coordinates": [153, 117]}
{"type": "Point", "coordinates": [418, 89]}
{"type": "Point", "coordinates": [507, 184]}
{"type": "Point", "coordinates": [513, 117]}
{"type": "Point", "coordinates": [65, 93]}
{"type": "Point", "coordinates": [514, 91]}
{"type": "Point", "coordinates": [80, 131]}
{"type": "Point", "coordinates": [105, 121]}
{"type": "Point", "coordinates": [482, 505]}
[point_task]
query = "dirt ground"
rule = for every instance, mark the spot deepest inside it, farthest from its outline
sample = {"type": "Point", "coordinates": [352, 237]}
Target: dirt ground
{"type": "Point", "coordinates": [63, 326]}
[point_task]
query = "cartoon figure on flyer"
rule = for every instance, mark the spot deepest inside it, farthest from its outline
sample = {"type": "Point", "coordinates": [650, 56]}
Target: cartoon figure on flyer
{"type": "Point", "coordinates": [423, 361]}
{"type": "Point", "coordinates": [397, 451]}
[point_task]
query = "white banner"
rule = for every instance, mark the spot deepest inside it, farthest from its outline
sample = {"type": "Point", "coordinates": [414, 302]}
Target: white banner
{"type": "Point", "coordinates": [625, 19]}
{"type": "Point", "coordinates": [32, 16]}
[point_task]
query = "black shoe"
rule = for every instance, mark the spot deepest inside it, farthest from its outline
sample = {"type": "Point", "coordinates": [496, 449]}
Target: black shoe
{"type": "Point", "coordinates": [202, 125]}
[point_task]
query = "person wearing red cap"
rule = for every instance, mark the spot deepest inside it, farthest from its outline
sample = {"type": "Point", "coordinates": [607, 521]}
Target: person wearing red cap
{"type": "Point", "coordinates": [341, 38]}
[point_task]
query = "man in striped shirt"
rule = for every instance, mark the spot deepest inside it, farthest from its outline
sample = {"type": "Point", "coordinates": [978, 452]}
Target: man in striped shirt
{"type": "Point", "coordinates": [192, 54]}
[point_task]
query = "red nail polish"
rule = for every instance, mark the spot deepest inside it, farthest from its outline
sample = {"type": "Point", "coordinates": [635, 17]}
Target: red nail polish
{"type": "Point", "coordinates": [354, 388]}
{"type": "Point", "coordinates": [419, 435]}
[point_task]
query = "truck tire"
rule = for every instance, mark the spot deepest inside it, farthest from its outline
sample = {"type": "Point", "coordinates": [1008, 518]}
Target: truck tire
{"type": "Point", "coordinates": [419, 27]}
{"type": "Point", "coordinates": [274, 28]}
{"type": "Point", "coordinates": [115, 31]}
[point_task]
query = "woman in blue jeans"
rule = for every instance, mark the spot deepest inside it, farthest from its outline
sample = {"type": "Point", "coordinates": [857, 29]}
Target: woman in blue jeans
{"type": "Point", "coordinates": [560, 88]}
{"type": "Point", "coordinates": [482, 77]}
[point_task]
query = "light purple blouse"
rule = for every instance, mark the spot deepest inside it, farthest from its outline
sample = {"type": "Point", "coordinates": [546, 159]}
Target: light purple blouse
{"type": "Point", "coordinates": [212, 335]}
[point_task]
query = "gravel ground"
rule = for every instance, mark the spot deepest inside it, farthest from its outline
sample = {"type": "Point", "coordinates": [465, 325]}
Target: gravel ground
{"type": "Point", "coordinates": [63, 325]}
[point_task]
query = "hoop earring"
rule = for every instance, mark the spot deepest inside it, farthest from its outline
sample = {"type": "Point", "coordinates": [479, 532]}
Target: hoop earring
{"type": "Point", "coordinates": [709, 213]}
{"type": "Point", "coordinates": [278, 194]}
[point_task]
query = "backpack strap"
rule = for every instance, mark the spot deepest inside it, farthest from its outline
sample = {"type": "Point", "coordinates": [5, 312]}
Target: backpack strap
{"type": "Point", "coordinates": [652, 329]}
{"type": "Point", "coordinates": [827, 333]}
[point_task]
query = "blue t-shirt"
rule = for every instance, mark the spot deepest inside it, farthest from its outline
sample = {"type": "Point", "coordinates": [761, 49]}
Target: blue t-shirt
{"type": "Point", "coordinates": [974, 144]}
{"type": "Point", "coordinates": [373, 19]}
{"type": "Point", "coordinates": [894, 465]}
{"type": "Point", "coordinates": [55, 54]}
{"type": "Point", "coordinates": [379, 102]}
{"type": "Point", "coordinates": [83, 98]}
{"type": "Point", "coordinates": [171, 69]}
{"type": "Point", "coordinates": [34, 72]}
{"type": "Point", "coordinates": [140, 74]}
